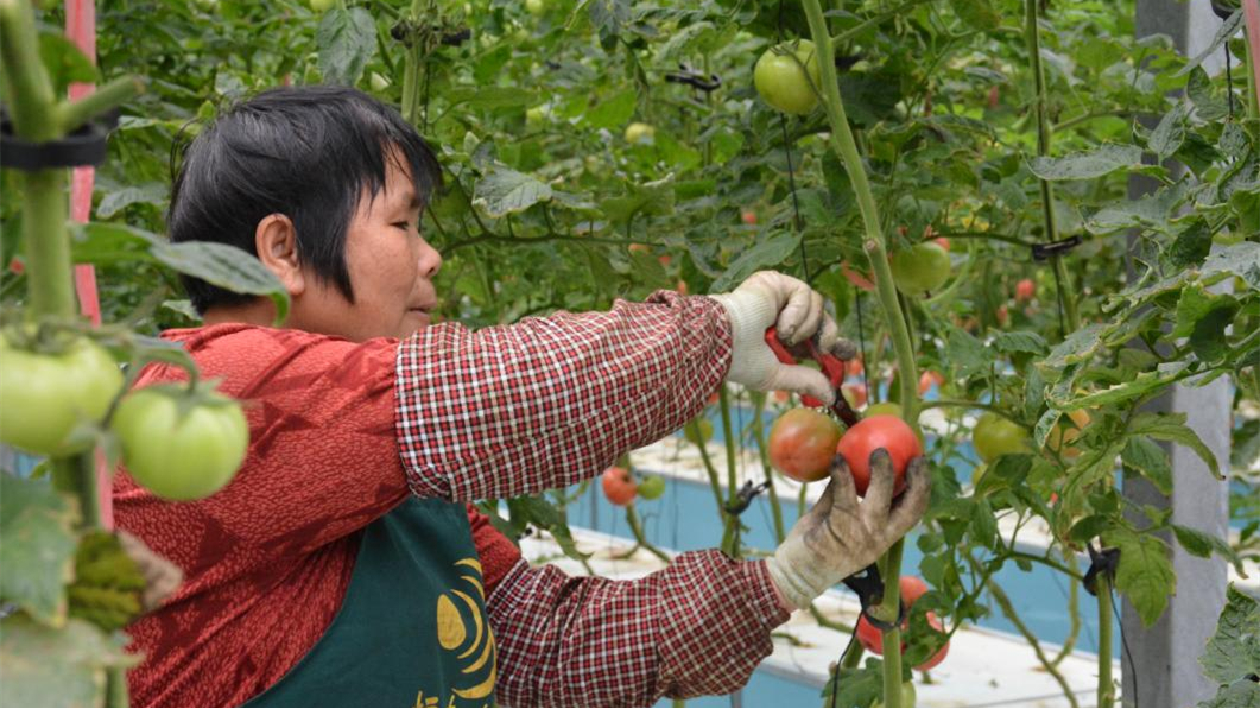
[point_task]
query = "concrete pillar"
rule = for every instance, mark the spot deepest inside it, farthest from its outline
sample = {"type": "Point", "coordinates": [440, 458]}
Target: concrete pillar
{"type": "Point", "coordinates": [1163, 670]}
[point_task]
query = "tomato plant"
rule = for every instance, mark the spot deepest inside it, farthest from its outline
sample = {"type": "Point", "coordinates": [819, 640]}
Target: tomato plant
{"type": "Point", "coordinates": [803, 443]}
{"type": "Point", "coordinates": [619, 486]}
{"type": "Point", "coordinates": [47, 395]}
{"type": "Point", "coordinates": [879, 432]}
{"type": "Point", "coordinates": [921, 268]}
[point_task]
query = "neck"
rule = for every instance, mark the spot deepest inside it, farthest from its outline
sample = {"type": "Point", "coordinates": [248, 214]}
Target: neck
{"type": "Point", "coordinates": [261, 312]}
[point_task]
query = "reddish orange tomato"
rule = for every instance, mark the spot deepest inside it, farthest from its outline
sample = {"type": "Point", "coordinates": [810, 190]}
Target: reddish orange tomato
{"type": "Point", "coordinates": [748, 217]}
{"type": "Point", "coordinates": [853, 367]}
{"type": "Point", "coordinates": [664, 260]}
{"type": "Point", "coordinates": [1025, 289]}
{"type": "Point", "coordinates": [782, 396]}
{"type": "Point", "coordinates": [912, 588]}
{"type": "Point", "coordinates": [942, 242]}
{"type": "Point", "coordinates": [928, 378]}
{"type": "Point", "coordinates": [638, 248]}
{"type": "Point", "coordinates": [856, 278]}
{"type": "Point", "coordinates": [881, 431]}
{"type": "Point", "coordinates": [619, 486]}
{"type": "Point", "coordinates": [869, 636]}
{"type": "Point", "coordinates": [803, 443]}
{"type": "Point", "coordinates": [682, 287]}
{"type": "Point", "coordinates": [855, 394]}
{"type": "Point", "coordinates": [1003, 315]}
{"type": "Point", "coordinates": [715, 398]}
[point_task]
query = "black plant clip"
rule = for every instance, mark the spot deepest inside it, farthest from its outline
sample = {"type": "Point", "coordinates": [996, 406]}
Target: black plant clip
{"type": "Point", "coordinates": [82, 147]}
{"type": "Point", "coordinates": [869, 587]}
{"type": "Point", "coordinates": [1101, 562]}
{"type": "Point", "coordinates": [687, 75]}
{"type": "Point", "coordinates": [1045, 251]}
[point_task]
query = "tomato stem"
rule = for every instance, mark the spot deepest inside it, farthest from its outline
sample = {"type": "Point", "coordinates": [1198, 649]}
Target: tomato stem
{"type": "Point", "coordinates": [759, 435]}
{"type": "Point", "coordinates": [730, 535]}
{"type": "Point", "coordinates": [1106, 686]}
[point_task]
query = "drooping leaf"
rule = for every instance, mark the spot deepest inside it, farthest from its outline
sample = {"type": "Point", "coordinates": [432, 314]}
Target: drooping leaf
{"type": "Point", "coordinates": [980, 14]}
{"type": "Point", "coordinates": [1201, 544]}
{"type": "Point", "coordinates": [56, 667]}
{"type": "Point", "coordinates": [1147, 458]}
{"type": "Point", "coordinates": [966, 352]}
{"type": "Point", "coordinates": [1227, 30]}
{"type": "Point", "coordinates": [1088, 165]}
{"type": "Point", "coordinates": [1233, 652]}
{"type": "Point", "coordinates": [1172, 427]}
{"type": "Point", "coordinates": [37, 554]}
{"type": "Point", "coordinates": [1170, 132]}
{"type": "Point", "coordinates": [347, 42]}
{"type": "Point", "coordinates": [502, 191]}
{"type": "Point", "coordinates": [116, 201]}
{"type": "Point", "coordinates": [1145, 575]}
{"type": "Point", "coordinates": [225, 266]}
{"type": "Point", "coordinates": [613, 112]}
{"type": "Point", "coordinates": [767, 254]}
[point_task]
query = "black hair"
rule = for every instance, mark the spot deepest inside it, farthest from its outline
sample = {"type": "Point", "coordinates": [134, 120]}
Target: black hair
{"type": "Point", "coordinates": [304, 152]}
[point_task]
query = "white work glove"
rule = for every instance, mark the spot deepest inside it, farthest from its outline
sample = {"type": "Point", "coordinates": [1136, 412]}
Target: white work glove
{"type": "Point", "coordinates": [841, 534]}
{"type": "Point", "coordinates": [768, 298]}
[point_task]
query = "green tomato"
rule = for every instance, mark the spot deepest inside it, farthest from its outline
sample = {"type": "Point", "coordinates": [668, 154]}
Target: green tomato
{"type": "Point", "coordinates": [536, 7]}
{"type": "Point", "coordinates": [781, 78]}
{"type": "Point", "coordinates": [640, 133]}
{"type": "Point", "coordinates": [322, 5]}
{"type": "Point", "coordinates": [536, 116]}
{"type": "Point", "coordinates": [652, 487]}
{"type": "Point", "coordinates": [995, 436]}
{"type": "Point", "coordinates": [883, 409]}
{"type": "Point", "coordinates": [908, 696]}
{"type": "Point", "coordinates": [920, 269]}
{"type": "Point", "coordinates": [45, 396]}
{"type": "Point", "coordinates": [698, 430]}
{"type": "Point", "coordinates": [181, 454]}
{"type": "Point", "coordinates": [378, 82]}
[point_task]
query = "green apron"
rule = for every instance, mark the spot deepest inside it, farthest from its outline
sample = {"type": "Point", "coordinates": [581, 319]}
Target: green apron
{"type": "Point", "coordinates": [412, 630]}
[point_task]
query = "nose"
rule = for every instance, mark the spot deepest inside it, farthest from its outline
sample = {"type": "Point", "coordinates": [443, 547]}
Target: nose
{"type": "Point", "coordinates": [430, 260]}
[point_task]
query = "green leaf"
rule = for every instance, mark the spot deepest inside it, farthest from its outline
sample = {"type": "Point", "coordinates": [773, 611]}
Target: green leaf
{"type": "Point", "coordinates": [1089, 528]}
{"type": "Point", "coordinates": [1034, 391]}
{"type": "Point", "coordinates": [504, 191]}
{"type": "Point", "coordinates": [966, 352]}
{"type": "Point", "coordinates": [1145, 575]}
{"type": "Point", "coordinates": [1043, 427]}
{"type": "Point", "coordinates": [1209, 104]}
{"type": "Point", "coordinates": [114, 202]}
{"type": "Point", "coordinates": [1194, 304]}
{"type": "Point", "coordinates": [980, 14]}
{"type": "Point", "coordinates": [1021, 342]}
{"type": "Point", "coordinates": [491, 96]}
{"type": "Point", "coordinates": [1088, 165]}
{"type": "Point", "coordinates": [1227, 30]}
{"type": "Point", "coordinates": [983, 523]}
{"type": "Point", "coordinates": [1141, 385]}
{"type": "Point", "coordinates": [1243, 693]}
{"type": "Point", "coordinates": [225, 266]}
{"type": "Point", "coordinates": [36, 523]}
{"type": "Point", "coordinates": [347, 42]}
{"type": "Point", "coordinates": [680, 39]}
{"type": "Point", "coordinates": [614, 112]}
{"type": "Point", "coordinates": [1241, 260]}
{"type": "Point", "coordinates": [1155, 210]}
{"type": "Point", "coordinates": [1146, 457]}
{"type": "Point", "coordinates": [56, 667]}
{"type": "Point", "coordinates": [1170, 132]}
{"type": "Point", "coordinates": [1191, 246]}
{"type": "Point", "coordinates": [1233, 652]}
{"type": "Point", "coordinates": [1079, 346]}
{"type": "Point", "coordinates": [65, 62]}
{"type": "Point", "coordinates": [610, 16]}
{"type": "Point", "coordinates": [1172, 427]}
{"type": "Point", "coordinates": [768, 253]}
{"type": "Point", "coordinates": [1201, 544]}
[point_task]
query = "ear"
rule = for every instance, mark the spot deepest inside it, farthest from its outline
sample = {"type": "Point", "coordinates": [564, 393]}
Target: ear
{"type": "Point", "coordinates": [275, 240]}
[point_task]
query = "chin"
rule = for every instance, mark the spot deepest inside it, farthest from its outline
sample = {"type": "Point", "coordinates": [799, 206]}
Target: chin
{"type": "Point", "coordinates": [415, 322]}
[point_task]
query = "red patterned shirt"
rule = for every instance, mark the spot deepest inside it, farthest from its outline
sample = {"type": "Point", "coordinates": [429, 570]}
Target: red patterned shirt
{"type": "Point", "coordinates": [342, 432]}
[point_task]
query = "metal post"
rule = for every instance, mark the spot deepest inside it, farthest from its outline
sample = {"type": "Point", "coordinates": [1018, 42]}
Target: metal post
{"type": "Point", "coordinates": [1163, 670]}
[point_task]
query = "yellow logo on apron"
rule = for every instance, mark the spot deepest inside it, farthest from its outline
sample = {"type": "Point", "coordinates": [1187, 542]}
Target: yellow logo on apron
{"type": "Point", "coordinates": [452, 630]}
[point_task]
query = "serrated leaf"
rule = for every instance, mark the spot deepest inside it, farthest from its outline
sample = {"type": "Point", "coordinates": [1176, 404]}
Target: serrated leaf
{"type": "Point", "coordinates": [118, 200]}
{"type": "Point", "coordinates": [1227, 30]}
{"type": "Point", "coordinates": [1139, 386]}
{"type": "Point", "coordinates": [1193, 305]}
{"type": "Point", "coordinates": [36, 523]}
{"type": "Point", "coordinates": [1243, 693]}
{"type": "Point", "coordinates": [1034, 391]}
{"type": "Point", "coordinates": [1171, 427]}
{"type": "Point", "coordinates": [1024, 341]}
{"type": "Point", "coordinates": [1089, 528]}
{"type": "Point", "coordinates": [966, 352]}
{"type": "Point", "coordinates": [680, 39]}
{"type": "Point", "coordinates": [347, 42]}
{"type": "Point", "coordinates": [1087, 165]}
{"type": "Point", "coordinates": [56, 667]}
{"type": "Point", "coordinates": [1209, 104]}
{"type": "Point", "coordinates": [1043, 427]}
{"type": "Point", "coordinates": [225, 266]}
{"type": "Point", "coordinates": [1147, 458]}
{"type": "Point", "coordinates": [1192, 245]}
{"type": "Point", "coordinates": [1170, 132]}
{"type": "Point", "coordinates": [610, 16]}
{"type": "Point", "coordinates": [1155, 210]}
{"type": "Point", "coordinates": [980, 14]}
{"type": "Point", "coordinates": [983, 523]}
{"type": "Point", "coordinates": [1078, 347]}
{"type": "Point", "coordinates": [504, 191]}
{"type": "Point", "coordinates": [1241, 260]}
{"type": "Point", "coordinates": [1233, 652]}
{"type": "Point", "coordinates": [1145, 575]}
{"type": "Point", "coordinates": [1201, 544]}
{"type": "Point", "coordinates": [613, 112]}
{"type": "Point", "coordinates": [767, 254]}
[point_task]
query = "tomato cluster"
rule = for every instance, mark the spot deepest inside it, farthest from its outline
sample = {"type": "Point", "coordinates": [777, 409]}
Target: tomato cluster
{"type": "Point", "coordinates": [912, 588]}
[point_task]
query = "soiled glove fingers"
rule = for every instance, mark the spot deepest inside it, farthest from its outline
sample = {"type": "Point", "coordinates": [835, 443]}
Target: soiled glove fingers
{"type": "Point", "coordinates": [841, 534]}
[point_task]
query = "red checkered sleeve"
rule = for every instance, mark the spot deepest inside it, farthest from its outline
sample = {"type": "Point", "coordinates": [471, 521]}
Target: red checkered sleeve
{"type": "Point", "coordinates": [567, 641]}
{"type": "Point", "coordinates": [549, 402]}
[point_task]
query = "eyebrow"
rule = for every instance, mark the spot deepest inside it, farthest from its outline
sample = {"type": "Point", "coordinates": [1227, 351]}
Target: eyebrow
{"type": "Point", "coordinates": [413, 201]}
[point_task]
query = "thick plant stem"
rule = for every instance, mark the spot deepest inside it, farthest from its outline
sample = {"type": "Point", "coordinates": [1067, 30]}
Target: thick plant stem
{"type": "Point", "coordinates": [44, 208]}
{"type": "Point", "coordinates": [411, 67]}
{"type": "Point", "coordinates": [1064, 279]}
{"type": "Point", "coordinates": [730, 535]}
{"type": "Point", "coordinates": [1106, 686]}
{"type": "Point", "coordinates": [29, 91]}
{"type": "Point", "coordinates": [74, 114]}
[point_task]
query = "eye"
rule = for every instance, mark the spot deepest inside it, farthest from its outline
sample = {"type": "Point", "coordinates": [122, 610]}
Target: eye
{"type": "Point", "coordinates": [404, 225]}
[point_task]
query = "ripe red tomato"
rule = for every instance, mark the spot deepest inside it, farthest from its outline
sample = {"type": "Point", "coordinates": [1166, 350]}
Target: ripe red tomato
{"type": "Point", "coordinates": [638, 248]}
{"type": "Point", "coordinates": [1025, 289]}
{"type": "Point", "coordinates": [748, 217]}
{"type": "Point", "coordinates": [858, 280]}
{"type": "Point", "coordinates": [942, 242]}
{"type": "Point", "coordinates": [912, 588]}
{"type": "Point", "coordinates": [619, 486]}
{"type": "Point", "coordinates": [941, 653]}
{"type": "Point", "coordinates": [17, 266]}
{"type": "Point", "coordinates": [994, 97]}
{"type": "Point", "coordinates": [855, 394]}
{"type": "Point", "coordinates": [928, 378]}
{"type": "Point", "coordinates": [803, 443]}
{"type": "Point", "coordinates": [871, 434]}
{"type": "Point", "coordinates": [782, 396]}
{"type": "Point", "coordinates": [1003, 315]}
{"type": "Point", "coordinates": [664, 260]}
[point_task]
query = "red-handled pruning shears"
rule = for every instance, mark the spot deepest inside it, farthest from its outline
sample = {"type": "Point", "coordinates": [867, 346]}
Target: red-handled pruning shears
{"type": "Point", "coordinates": [832, 366]}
